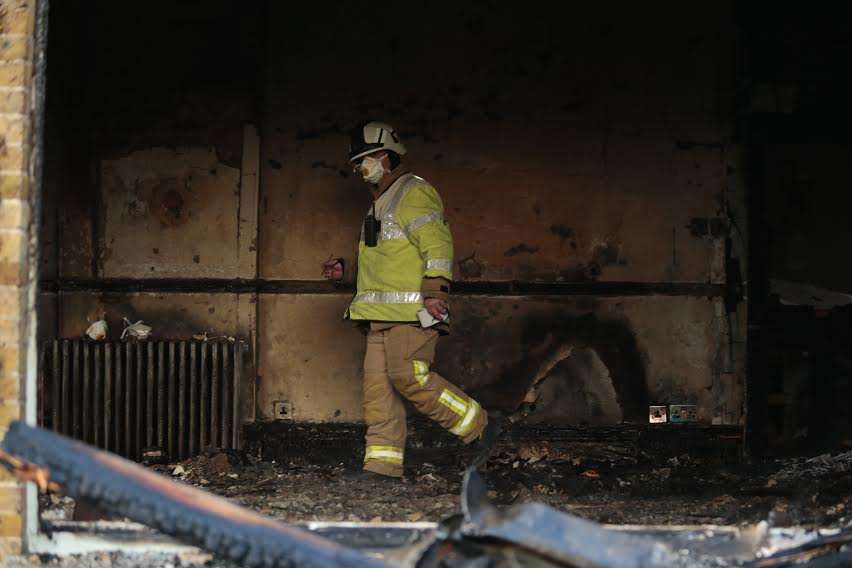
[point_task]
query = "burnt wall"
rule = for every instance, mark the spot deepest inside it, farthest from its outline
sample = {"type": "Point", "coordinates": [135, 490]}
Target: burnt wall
{"type": "Point", "coordinates": [645, 350]}
{"type": "Point", "coordinates": [565, 148]}
{"type": "Point", "coordinates": [150, 107]}
{"type": "Point", "coordinates": [204, 145]}
{"type": "Point", "coordinates": [592, 147]}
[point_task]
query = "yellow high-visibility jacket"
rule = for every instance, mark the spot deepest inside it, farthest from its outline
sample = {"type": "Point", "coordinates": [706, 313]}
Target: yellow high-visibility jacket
{"type": "Point", "coordinates": [414, 243]}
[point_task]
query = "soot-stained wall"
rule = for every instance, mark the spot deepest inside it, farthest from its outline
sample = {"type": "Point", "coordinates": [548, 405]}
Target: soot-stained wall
{"type": "Point", "coordinates": [590, 147]}
{"type": "Point", "coordinates": [149, 105]}
{"type": "Point", "coordinates": [564, 148]}
{"type": "Point", "coordinates": [583, 147]}
{"type": "Point", "coordinates": [146, 128]}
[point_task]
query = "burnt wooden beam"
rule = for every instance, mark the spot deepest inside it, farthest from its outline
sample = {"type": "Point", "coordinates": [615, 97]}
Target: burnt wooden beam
{"type": "Point", "coordinates": [260, 286]}
{"type": "Point", "coordinates": [194, 516]}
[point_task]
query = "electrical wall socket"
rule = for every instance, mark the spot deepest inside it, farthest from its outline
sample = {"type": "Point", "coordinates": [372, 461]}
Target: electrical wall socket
{"type": "Point", "coordinates": [657, 414]}
{"type": "Point", "coordinates": [282, 410]}
{"type": "Point", "coordinates": [683, 413]}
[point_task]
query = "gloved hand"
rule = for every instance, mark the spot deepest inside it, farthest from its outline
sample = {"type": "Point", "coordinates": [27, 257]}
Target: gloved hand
{"type": "Point", "coordinates": [436, 308]}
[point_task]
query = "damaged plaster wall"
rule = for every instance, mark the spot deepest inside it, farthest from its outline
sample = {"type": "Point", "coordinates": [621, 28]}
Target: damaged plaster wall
{"type": "Point", "coordinates": [310, 361]}
{"type": "Point", "coordinates": [153, 156]}
{"type": "Point", "coordinates": [145, 135]}
{"type": "Point", "coordinates": [165, 212]}
{"type": "Point", "coordinates": [500, 344]}
{"type": "Point", "coordinates": [576, 160]}
{"type": "Point", "coordinates": [578, 389]}
{"type": "Point", "coordinates": [560, 158]}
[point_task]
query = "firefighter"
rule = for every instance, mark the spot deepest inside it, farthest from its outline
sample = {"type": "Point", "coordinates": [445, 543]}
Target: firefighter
{"type": "Point", "coordinates": [405, 260]}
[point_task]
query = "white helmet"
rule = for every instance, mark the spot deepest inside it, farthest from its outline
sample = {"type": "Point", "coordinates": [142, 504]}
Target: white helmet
{"type": "Point", "coordinates": [371, 137]}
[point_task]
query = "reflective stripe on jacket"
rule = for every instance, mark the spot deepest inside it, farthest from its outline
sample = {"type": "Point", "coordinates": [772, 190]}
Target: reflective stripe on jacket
{"type": "Point", "coordinates": [414, 242]}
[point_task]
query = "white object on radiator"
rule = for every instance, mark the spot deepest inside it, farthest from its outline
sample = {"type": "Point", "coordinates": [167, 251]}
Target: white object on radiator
{"type": "Point", "coordinates": [138, 330]}
{"type": "Point", "coordinates": [98, 330]}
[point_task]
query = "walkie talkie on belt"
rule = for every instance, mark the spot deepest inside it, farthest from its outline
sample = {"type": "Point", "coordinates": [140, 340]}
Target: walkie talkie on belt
{"type": "Point", "coordinates": [372, 227]}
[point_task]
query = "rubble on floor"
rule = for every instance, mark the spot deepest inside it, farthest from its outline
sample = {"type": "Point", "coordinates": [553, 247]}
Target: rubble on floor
{"type": "Point", "coordinates": [299, 492]}
{"type": "Point", "coordinates": [818, 467]}
{"type": "Point", "coordinates": [607, 483]}
{"type": "Point", "coordinates": [604, 484]}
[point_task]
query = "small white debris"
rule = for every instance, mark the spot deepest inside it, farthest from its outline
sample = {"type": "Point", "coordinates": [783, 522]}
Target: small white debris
{"type": "Point", "coordinates": [98, 330]}
{"type": "Point", "coordinates": [54, 515]}
{"type": "Point", "coordinates": [179, 470]}
{"type": "Point", "coordinates": [138, 330]}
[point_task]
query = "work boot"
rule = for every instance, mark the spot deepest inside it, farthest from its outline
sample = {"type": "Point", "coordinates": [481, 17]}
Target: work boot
{"type": "Point", "coordinates": [488, 440]}
{"type": "Point", "coordinates": [368, 476]}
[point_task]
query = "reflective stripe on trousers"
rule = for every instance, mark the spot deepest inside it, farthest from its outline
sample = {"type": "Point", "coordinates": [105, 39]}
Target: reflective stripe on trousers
{"type": "Point", "coordinates": [468, 421]}
{"type": "Point", "coordinates": [421, 372]}
{"type": "Point", "coordinates": [389, 454]}
{"type": "Point", "coordinates": [454, 402]}
{"type": "Point", "coordinates": [466, 409]}
{"type": "Point", "coordinates": [397, 366]}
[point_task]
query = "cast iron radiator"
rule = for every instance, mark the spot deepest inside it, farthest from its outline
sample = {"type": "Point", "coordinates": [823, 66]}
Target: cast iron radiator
{"type": "Point", "coordinates": [169, 399]}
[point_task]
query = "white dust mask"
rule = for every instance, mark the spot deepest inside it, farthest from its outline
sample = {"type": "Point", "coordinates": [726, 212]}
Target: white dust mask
{"type": "Point", "coordinates": [372, 170]}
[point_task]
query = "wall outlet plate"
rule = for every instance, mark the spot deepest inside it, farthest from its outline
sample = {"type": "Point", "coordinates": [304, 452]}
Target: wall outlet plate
{"type": "Point", "coordinates": [282, 410]}
{"type": "Point", "coordinates": [679, 413]}
{"type": "Point", "coordinates": [657, 414]}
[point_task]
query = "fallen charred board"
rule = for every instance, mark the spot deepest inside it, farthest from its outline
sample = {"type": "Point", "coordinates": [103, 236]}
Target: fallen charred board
{"type": "Point", "coordinates": [555, 535]}
{"type": "Point", "coordinates": [192, 515]}
{"type": "Point", "coordinates": [572, 540]}
{"type": "Point", "coordinates": [542, 535]}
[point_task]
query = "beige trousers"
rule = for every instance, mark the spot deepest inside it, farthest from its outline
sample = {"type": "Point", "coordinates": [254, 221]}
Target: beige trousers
{"type": "Point", "coordinates": [398, 364]}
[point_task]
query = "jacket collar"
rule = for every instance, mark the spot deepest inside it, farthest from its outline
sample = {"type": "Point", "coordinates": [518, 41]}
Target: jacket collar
{"type": "Point", "coordinates": [387, 181]}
